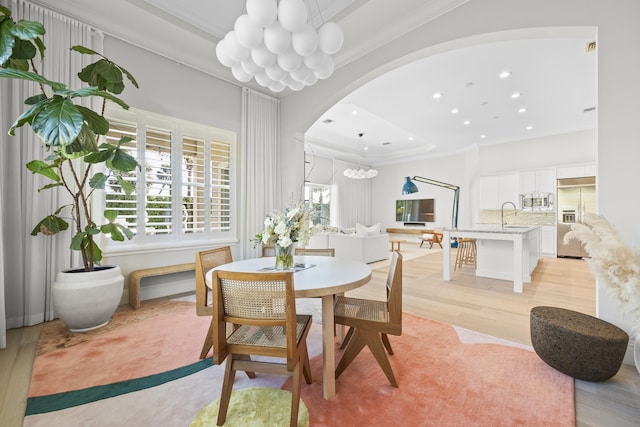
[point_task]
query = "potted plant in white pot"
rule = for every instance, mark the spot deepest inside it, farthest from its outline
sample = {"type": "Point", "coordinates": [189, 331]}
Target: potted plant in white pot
{"type": "Point", "coordinates": [84, 298]}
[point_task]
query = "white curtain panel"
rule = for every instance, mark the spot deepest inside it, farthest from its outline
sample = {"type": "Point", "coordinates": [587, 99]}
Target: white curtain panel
{"type": "Point", "coordinates": [260, 145]}
{"type": "Point", "coordinates": [350, 198]}
{"type": "Point", "coordinates": [31, 263]}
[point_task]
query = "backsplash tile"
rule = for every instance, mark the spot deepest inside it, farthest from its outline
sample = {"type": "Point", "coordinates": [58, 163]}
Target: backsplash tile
{"type": "Point", "coordinates": [490, 216]}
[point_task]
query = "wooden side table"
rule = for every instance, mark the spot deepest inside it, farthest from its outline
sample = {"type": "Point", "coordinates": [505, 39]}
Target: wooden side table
{"type": "Point", "coordinates": [396, 242]}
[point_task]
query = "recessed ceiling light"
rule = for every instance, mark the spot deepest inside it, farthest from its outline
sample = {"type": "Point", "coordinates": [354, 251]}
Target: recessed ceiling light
{"type": "Point", "coordinates": [483, 136]}
{"type": "Point", "coordinates": [354, 112]}
{"type": "Point", "coordinates": [529, 127]}
{"type": "Point", "coordinates": [366, 148]}
{"type": "Point", "coordinates": [327, 121]}
{"type": "Point", "coordinates": [467, 122]}
{"type": "Point", "coordinates": [410, 138]}
{"type": "Point", "coordinates": [386, 143]}
{"type": "Point", "coordinates": [454, 111]}
{"type": "Point", "coordinates": [437, 95]}
{"type": "Point", "coordinates": [505, 74]}
{"type": "Point", "coordinates": [522, 110]}
{"type": "Point", "coordinates": [515, 95]}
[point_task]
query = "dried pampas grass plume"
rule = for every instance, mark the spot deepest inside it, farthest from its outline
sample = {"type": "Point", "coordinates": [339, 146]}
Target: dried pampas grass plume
{"type": "Point", "coordinates": [612, 261]}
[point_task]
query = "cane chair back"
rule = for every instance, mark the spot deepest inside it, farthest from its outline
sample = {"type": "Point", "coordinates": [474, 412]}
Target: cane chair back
{"type": "Point", "coordinates": [371, 321]}
{"type": "Point", "coordinates": [268, 250]}
{"type": "Point", "coordinates": [205, 261]}
{"type": "Point", "coordinates": [316, 252]}
{"type": "Point", "coordinates": [262, 308]}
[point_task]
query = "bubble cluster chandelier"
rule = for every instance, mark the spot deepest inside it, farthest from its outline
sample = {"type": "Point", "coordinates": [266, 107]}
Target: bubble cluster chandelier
{"type": "Point", "coordinates": [360, 173]}
{"type": "Point", "coordinates": [273, 44]}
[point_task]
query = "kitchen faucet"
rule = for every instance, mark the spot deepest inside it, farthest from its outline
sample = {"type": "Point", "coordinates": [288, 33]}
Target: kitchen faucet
{"type": "Point", "coordinates": [515, 212]}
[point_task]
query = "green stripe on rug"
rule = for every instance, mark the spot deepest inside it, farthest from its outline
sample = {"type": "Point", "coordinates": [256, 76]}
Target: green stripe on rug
{"type": "Point", "coordinates": [56, 402]}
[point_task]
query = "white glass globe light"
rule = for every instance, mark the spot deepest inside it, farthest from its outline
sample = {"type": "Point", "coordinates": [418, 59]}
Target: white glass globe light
{"type": "Point", "coordinates": [305, 41]}
{"type": "Point", "coordinates": [263, 56]}
{"type": "Point", "coordinates": [292, 15]}
{"type": "Point", "coordinates": [315, 60]}
{"type": "Point", "coordinates": [248, 32]}
{"type": "Point", "coordinates": [263, 80]}
{"type": "Point", "coordinates": [222, 56]}
{"type": "Point", "coordinates": [326, 70]}
{"type": "Point", "coordinates": [240, 74]}
{"type": "Point", "coordinates": [330, 37]}
{"type": "Point", "coordinates": [250, 67]}
{"type": "Point", "coordinates": [276, 87]}
{"type": "Point", "coordinates": [276, 38]}
{"type": "Point", "coordinates": [233, 48]}
{"type": "Point", "coordinates": [300, 74]}
{"type": "Point", "coordinates": [289, 60]}
{"type": "Point", "coordinates": [274, 72]}
{"type": "Point", "coordinates": [311, 79]}
{"type": "Point", "coordinates": [286, 80]}
{"type": "Point", "coordinates": [296, 86]}
{"type": "Point", "coordinates": [263, 12]}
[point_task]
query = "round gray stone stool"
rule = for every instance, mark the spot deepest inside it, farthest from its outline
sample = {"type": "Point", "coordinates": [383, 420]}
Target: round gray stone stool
{"type": "Point", "coordinates": [576, 344]}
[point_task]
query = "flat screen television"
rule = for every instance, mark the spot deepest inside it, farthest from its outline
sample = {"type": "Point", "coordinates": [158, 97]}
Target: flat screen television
{"type": "Point", "coordinates": [416, 210]}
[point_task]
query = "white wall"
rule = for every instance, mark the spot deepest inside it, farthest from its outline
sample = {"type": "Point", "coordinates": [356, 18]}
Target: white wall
{"type": "Point", "coordinates": [618, 89]}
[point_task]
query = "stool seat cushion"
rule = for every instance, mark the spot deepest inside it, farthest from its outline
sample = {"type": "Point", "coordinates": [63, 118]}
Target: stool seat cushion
{"type": "Point", "coordinates": [577, 344]}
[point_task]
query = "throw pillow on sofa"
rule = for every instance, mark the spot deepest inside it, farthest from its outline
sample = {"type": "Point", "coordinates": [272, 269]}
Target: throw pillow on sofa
{"type": "Point", "coordinates": [362, 230]}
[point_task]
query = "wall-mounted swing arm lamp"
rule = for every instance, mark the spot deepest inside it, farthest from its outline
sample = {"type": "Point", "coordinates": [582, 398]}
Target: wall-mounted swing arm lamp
{"type": "Point", "coordinates": [409, 187]}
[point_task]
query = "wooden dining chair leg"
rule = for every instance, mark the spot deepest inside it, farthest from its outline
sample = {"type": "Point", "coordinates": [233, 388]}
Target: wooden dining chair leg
{"type": "Point", "coordinates": [306, 366]}
{"type": "Point", "coordinates": [387, 344]}
{"type": "Point", "coordinates": [356, 344]}
{"type": "Point", "coordinates": [227, 386]}
{"type": "Point", "coordinates": [295, 394]}
{"type": "Point", "coordinates": [208, 341]}
{"type": "Point", "coordinates": [377, 349]}
{"type": "Point", "coordinates": [346, 339]}
{"type": "Point", "coordinates": [251, 375]}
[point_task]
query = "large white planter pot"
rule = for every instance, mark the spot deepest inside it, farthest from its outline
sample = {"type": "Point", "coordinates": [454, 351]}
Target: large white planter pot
{"type": "Point", "coordinates": [87, 300]}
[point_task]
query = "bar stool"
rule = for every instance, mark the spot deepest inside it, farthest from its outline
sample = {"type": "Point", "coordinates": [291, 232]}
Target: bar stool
{"type": "Point", "coordinates": [466, 253]}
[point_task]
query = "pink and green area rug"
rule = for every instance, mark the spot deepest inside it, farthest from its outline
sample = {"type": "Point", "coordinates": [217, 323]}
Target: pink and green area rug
{"type": "Point", "coordinates": [143, 370]}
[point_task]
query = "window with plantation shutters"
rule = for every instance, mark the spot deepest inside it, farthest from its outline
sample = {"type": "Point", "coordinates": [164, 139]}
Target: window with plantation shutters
{"type": "Point", "coordinates": [184, 185]}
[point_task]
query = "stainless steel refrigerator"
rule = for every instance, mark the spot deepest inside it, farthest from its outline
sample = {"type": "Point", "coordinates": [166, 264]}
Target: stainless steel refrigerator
{"type": "Point", "coordinates": [576, 197]}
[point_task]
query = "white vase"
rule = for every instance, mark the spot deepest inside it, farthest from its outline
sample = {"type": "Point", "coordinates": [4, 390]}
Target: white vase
{"type": "Point", "coordinates": [86, 300]}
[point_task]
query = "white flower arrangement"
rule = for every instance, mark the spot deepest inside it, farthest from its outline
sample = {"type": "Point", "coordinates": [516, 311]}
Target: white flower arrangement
{"type": "Point", "coordinates": [612, 262]}
{"type": "Point", "coordinates": [287, 228]}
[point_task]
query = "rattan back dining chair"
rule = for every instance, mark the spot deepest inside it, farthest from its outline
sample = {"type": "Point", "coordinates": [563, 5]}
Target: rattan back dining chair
{"type": "Point", "coordinates": [205, 261]}
{"type": "Point", "coordinates": [316, 252]}
{"type": "Point", "coordinates": [268, 250]}
{"type": "Point", "coordinates": [262, 308]}
{"type": "Point", "coordinates": [371, 321]}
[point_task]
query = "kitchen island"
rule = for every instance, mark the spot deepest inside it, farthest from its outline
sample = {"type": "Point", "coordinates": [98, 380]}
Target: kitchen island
{"type": "Point", "coordinates": [509, 252]}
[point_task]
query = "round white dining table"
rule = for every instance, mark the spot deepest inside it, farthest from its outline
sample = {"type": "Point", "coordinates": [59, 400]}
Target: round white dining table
{"type": "Point", "coordinates": [318, 276]}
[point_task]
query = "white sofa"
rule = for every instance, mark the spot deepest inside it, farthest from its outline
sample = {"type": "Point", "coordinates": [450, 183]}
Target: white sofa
{"type": "Point", "coordinates": [351, 246]}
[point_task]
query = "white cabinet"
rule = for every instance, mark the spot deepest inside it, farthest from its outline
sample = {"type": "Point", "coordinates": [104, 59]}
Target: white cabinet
{"type": "Point", "coordinates": [497, 189]}
{"type": "Point", "coordinates": [576, 171]}
{"type": "Point", "coordinates": [548, 242]}
{"type": "Point", "coordinates": [538, 181]}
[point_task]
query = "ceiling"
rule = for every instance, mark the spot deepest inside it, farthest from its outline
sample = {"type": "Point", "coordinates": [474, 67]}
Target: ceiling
{"type": "Point", "coordinates": [556, 77]}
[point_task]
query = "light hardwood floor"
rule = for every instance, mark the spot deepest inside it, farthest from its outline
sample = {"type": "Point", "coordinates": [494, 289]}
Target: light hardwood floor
{"type": "Point", "coordinates": [484, 305]}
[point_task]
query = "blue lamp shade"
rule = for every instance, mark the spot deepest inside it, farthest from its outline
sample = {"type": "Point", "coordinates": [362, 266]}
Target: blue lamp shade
{"type": "Point", "coordinates": [409, 187]}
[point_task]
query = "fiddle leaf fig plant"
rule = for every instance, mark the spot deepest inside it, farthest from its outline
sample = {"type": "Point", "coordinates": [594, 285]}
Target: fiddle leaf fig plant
{"type": "Point", "coordinates": [71, 134]}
